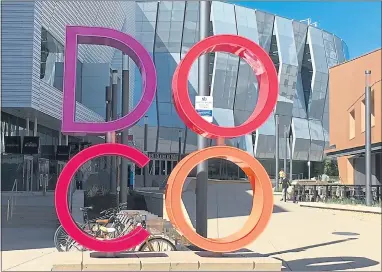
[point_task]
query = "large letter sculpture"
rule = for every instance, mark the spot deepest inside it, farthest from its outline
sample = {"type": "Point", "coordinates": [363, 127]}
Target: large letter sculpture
{"type": "Point", "coordinates": [103, 36]}
{"type": "Point", "coordinates": [266, 74]}
{"type": "Point", "coordinates": [262, 206]}
{"type": "Point", "coordinates": [130, 46]}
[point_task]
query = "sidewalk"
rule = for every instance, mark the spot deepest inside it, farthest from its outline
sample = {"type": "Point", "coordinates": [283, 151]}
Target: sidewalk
{"type": "Point", "coordinates": [342, 207]}
{"type": "Point", "coordinates": [304, 239]}
{"type": "Point", "coordinates": [26, 248]}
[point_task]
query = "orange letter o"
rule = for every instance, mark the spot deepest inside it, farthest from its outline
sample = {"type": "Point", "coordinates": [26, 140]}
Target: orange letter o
{"type": "Point", "coordinates": [262, 205]}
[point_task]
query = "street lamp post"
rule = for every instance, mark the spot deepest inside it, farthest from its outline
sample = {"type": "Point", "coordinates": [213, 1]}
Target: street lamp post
{"type": "Point", "coordinates": [368, 137]}
{"type": "Point", "coordinates": [124, 175]}
{"type": "Point", "coordinates": [277, 155]}
{"type": "Point", "coordinates": [114, 105]}
{"type": "Point", "coordinates": [145, 169]}
{"type": "Point", "coordinates": [179, 144]}
{"type": "Point", "coordinates": [285, 150]}
{"type": "Point", "coordinates": [290, 159]}
{"type": "Point", "coordinates": [201, 189]}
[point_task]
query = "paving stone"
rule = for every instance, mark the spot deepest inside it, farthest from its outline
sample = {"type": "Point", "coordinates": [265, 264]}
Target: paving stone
{"type": "Point", "coordinates": [69, 261]}
{"type": "Point", "coordinates": [267, 264]}
{"type": "Point", "coordinates": [224, 262]}
{"type": "Point", "coordinates": [122, 262]}
{"type": "Point", "coordinates": [154, 261]}
{"type": "Point", "coordinates": [183, 261]}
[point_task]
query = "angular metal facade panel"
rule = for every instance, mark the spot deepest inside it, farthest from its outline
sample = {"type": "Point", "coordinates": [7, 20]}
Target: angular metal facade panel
{"type": "Point", "coordinates": [17, 25]}
{"type": "Point", "coordinates": [112, 14]}
{"type": "Point", "coordinates": [317, 143]}
{"type": "Point", "coordinates": [24, 21]}
{"type": "Point", "coordinates": [299, 109]}
{"type": "Point", "coordinates": [247, 86]}
{"type": "Point", "coordinates": [224, 77]}
{"type": "Point", "coordinates": [54, 16]}
{"type": "Point", "coordinates": [265, 27]}
{"type": "Point", "coordinates": [50, 103]}
{"type": "Point", "coordinates": [128, 28]}
{"type": "Point", "coordinates": [283, 30]}
{"type": "Point", "coordinates": [320, 74]}
{"type": "Point", "coordinates": [300, 31]}
{"type": "Point", "coordinates": [167, 54]}
{"type": "Point", "coordinates": [301, 139]}
{"type": "Point", "coordinates": [333, 57]}
{"type": "Point", "coordinates": [233, 85]}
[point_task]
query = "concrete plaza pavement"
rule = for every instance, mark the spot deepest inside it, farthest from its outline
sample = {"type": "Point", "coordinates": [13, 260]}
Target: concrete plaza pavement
{"type": "Point", "coordinates": [305, 239]}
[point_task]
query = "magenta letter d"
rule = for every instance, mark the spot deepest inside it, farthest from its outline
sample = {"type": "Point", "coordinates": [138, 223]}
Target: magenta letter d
{"type": "Point", "coordinates": [104, 36]}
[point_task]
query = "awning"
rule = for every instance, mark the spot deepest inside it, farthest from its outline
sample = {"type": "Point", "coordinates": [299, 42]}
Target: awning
{"type": "Point", "coordinates": [355, 151]}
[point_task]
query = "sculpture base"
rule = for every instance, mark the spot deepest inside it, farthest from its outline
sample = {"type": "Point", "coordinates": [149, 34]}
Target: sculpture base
{"type": "Point", "coordinates": [165, 261]}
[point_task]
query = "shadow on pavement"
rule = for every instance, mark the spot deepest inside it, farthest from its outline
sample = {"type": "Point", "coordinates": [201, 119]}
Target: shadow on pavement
{"type": "Point", "coordinates": [225, 200]}
{"type": "Point", "coordinates": [319, 263]}
{"type": "Point", "coordinates": [330, 263]}
{"type": "Point", "coordinates": [26, 238]}
{"type": "Point", "coordinates": [278, 209]}
{"type": "Point", "coordinates": [345, 233]}
{"type": "Point", "coordinates": [129, 255]}
{"type": "Point", "coordinates": [250, 253]}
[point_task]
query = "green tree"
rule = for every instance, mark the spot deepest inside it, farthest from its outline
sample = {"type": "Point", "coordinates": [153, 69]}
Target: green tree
{"type": "Point", "coordinates": [330, 167]}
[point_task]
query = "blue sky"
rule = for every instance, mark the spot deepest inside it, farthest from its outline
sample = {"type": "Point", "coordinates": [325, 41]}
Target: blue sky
{"type": "Point", "coordinates": [357, 23]}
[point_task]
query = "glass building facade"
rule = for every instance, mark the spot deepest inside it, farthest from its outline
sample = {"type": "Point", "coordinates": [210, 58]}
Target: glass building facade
{"type": "Point", "coordinates": [302, 55]}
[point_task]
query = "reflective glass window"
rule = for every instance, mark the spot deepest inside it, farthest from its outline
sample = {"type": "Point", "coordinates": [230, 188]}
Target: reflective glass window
{"type": "Point", "coordinates": [169, 167]}
{"type": "Point", "coordinates": [156, 168]}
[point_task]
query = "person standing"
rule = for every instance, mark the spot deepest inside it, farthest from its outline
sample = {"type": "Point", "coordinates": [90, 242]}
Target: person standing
{"type": "Point", "coordinates": [281, 176]}
{"type": "Point", "coordinates": [285, 184]}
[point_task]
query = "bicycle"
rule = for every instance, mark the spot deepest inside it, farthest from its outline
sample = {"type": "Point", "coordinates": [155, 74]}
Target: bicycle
{"type": "Point", "coordinates": [122, 224]}
{"type": "Point", "coordinates": [61, 237]}
{"type": "Point", "coordinates": [100, 230]}
{"type": "Point", "coordinates": [152, 240]}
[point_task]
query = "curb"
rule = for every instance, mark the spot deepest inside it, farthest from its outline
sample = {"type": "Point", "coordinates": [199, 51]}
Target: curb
{"type": "Point", "coordinates": [360, 209]}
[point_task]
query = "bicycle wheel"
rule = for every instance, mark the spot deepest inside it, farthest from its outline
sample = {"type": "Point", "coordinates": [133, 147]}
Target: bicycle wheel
{"type": "Point", "coordinates": [157, 244]}
{"type": "Point", "coordinates": [60, 239]}
{"type": "Point", "coordinates": [74, 246]}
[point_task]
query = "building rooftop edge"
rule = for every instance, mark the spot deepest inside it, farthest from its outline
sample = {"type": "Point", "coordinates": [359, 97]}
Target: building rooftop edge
{"type": "Point", "coordinates": [355, 58]}
{"type": "Point", "coordinates": [235, 4]}
{"type": "Point", "coordinates": [255, 9]}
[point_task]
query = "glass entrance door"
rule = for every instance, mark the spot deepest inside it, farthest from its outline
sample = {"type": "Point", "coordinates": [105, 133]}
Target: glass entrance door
{"type": "Point", "coordinates": [28, 173]}
{"type": "Point", "coordinates": [43, 165]}
{"type": "Point", "coordinates": [60, 166]}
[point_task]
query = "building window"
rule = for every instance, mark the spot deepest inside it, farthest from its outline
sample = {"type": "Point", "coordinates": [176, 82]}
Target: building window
{"type": "Point", "coordinates": [163, 168]}
{"type": "Point", "coordinates": [363, 115]}
{"type": "Point", "coordinates": [363, 112]}
{"type": "Point", "coordinates": [51, 52]}
{"type": "Point", "coordinates": [151, 167]}
{"type": "Point", "coordinates": [156, 167]}
{"type": "Point", "coordinates": [372, 107]}
{"type": "Point", "coordinates": [174, 163]}
{"type": "Point", "coordinates": [138, 171]}
{"type": "Point", "coordinates": [169, 167]}
{"type": "Point", "coordinates": [352, 124]}
{"type": "Point", "coordinates": [52, 64]}
{"type": "Point", "coordinates": [274, 53]}
{"type": "Point", "coordinates": [306, 75]}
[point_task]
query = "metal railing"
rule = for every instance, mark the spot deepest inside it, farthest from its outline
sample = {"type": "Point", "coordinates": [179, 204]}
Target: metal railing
{"type": "Point", "coordinates": [11, 201]}
{"type": "Point", "coordinates": [336, 193]}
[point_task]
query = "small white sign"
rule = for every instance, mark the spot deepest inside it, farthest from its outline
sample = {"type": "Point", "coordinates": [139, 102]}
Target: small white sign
{"type": "Point", "coordinates": [204, 106]}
